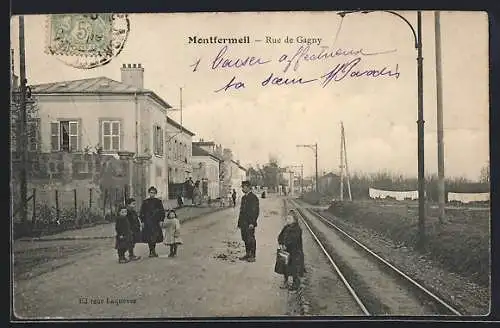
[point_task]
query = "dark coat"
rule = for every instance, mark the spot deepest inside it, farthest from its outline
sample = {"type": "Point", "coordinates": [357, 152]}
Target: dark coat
{"type": "Point", "coordinates": [123, 233]}
{"type": "Point", "coordinates": [135, 225]}
{"type": "Point", "coordinates": [151, 214]}
{"type": "Point", "coordinates": [249, 210]}
{"type": "Point", "coordinates": [291, 237]}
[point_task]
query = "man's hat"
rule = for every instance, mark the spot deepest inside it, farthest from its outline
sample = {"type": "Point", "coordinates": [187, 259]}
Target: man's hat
{"type": "Point", "coordinates": [246, 183]}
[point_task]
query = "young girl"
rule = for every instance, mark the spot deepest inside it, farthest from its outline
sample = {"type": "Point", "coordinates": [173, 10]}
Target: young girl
{"type": "Point", "coordinates": [290, 239]}
{"type": "Point", "coordinates": [123, 234]}
{"type": "Point", "coordinates": [172, 232]}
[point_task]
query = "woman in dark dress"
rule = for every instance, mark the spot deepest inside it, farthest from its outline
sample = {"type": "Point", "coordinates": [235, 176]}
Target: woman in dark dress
{"type": "Point", "coordinates": [290, 240]}
{"type": "Point", "coordinates": [152, 214]}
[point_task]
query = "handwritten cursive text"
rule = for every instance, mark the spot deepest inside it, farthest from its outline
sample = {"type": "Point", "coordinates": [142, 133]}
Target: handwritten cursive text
{"type": "Point", "coordinates": [341, 71]}
{"type": "Point", "coordinates": [220, 61]}
{"type": "Point", "coordinates": [304, 53]}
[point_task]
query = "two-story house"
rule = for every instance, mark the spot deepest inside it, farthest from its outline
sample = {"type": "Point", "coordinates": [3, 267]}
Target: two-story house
{"type": "Point", "coordinates": [111, 116]}
{"type": "Point", "coordinates": [206, 170]}
{"type": "Point", "coordinates": [238, 174]}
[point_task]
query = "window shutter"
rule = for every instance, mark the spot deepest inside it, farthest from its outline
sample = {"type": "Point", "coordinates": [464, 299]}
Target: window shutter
{"type": "Point", "coordinates": [54, 136]}
{"type": "Point", "coordinates": [155, 136]}
{"type": "Point", "coordinates": [160, 134]}
{"type": "Point", "coordinates": [73, 135]}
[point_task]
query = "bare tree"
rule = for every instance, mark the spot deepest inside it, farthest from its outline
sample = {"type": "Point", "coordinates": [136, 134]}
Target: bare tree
{"type": "Point", "coordinates": [484, 176]}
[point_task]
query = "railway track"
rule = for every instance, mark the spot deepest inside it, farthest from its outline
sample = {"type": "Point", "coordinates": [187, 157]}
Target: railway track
{"type": "Point", "coordinates": [377, 287]}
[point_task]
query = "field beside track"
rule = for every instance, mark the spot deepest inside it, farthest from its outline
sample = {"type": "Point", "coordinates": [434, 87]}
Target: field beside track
{"type": "Point", "coordinates": [461, 244]}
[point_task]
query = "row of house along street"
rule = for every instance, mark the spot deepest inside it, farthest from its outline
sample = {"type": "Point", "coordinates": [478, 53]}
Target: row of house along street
{"type": "Point", "coordinates": [123, 119]}
{"type": "Point", "coordinates": [206, 279]}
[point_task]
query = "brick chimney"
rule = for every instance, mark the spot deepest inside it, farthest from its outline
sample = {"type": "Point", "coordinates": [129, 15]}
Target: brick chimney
{"type": "Point", "coordinates": [133, 74]}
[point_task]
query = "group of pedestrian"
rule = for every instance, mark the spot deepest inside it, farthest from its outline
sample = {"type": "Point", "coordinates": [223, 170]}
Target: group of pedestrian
{"type": "Point", "coordinates": [146, 227]}
{"type": "Point", "coordinates": [289, 239]}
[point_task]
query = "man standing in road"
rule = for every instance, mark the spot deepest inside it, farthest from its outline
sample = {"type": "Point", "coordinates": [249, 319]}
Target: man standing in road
{"type": "Point", "coordinates": [247, 221]}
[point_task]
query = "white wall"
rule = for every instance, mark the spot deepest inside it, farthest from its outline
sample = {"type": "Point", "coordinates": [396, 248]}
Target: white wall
{"type": "Point", "coordinates": [88, 110]}
{"type": "Point", "coordinates": [210, 172]}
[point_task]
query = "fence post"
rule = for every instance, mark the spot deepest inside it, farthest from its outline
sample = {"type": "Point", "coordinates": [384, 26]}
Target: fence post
{"type": "Point", "coordinates": [110, 204]}
{"type": "Point", "coordinates": [117, 195]}
{"type": "Point", "coordinates": [90, 199]}
{"type": "Point", "coordinates": [104, 203]}
{"type": "Point", "coordinates": [33, 220]}
{"type": "Point", "coordinates": [76, 207]}
{"type": "Point", "coordinates": [57, 204]}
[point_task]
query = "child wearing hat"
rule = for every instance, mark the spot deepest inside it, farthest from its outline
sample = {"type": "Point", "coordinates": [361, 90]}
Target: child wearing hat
{"type": "Point", "coordinates": [123, 234]}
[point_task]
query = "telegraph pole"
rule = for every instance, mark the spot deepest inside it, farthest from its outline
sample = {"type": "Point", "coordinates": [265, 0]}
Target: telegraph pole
{"type": "Point", "coordinates": [180, 104]}
{"type": "Point", "coordinates": [420, 136]}
{"type": "Point", "coordinates": [341, 163]}
{"type": "Point", "coordinates": [439, 99]}
{"type": "Point", "coordinates": [316, 158]}
{"type": "Point", "coordinates": [301, 178]}
{"type": "Point", "coordinates": [314, 147]}
{"type": "Point", "coordinates": [345, 160]}
{"type": "Point", "coordinates": [22, 135]}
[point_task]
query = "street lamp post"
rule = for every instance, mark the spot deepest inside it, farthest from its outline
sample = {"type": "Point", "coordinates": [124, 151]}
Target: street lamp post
{"type": "Point", "coordinates": [315, 149]}
{"type": "Point", "coordinates": [420, 121]}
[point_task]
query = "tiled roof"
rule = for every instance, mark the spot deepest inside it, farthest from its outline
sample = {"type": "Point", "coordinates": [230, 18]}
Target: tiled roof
{"type": "Point", "coordinates": [100, 85]}
{"type": "Point", "coordinates": [204, 143]}
{"type": "Point", "coordinates": [92, 85]}
{"type": "Point", "coordinates": [95, 85]}
{"type": "Point", "coordinates": [198, 151]}
{"type": "Point", "coordinates": [239, 165]}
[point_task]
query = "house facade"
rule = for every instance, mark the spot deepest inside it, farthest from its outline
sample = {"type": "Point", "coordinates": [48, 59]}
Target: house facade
{"type": "Point", "coordinates": [100, 114]}
{"type": "Point", "coordinates": [238, 175]}
{"type": "Point", "coordinates": [206, 170]}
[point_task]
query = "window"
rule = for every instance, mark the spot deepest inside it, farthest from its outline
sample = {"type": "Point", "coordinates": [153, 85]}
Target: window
{"type": "Point", "coordinates": [158, 140]}
{"type": "Point", "coordinates": [111, 135]}
{"type": "Point", "coordinates": [64, 135]}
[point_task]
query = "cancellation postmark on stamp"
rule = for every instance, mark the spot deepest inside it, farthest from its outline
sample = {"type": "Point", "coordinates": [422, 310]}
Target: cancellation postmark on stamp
{"type": "Point", "coordinates": [86, 40]}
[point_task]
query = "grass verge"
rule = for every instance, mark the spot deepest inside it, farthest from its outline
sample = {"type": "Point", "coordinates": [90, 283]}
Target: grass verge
{"type": "Point", "coordinates": [461, 244]}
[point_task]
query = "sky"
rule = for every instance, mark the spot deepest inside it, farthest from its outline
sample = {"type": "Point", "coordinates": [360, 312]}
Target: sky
{"type": "Point", "coordinates": [379, 114]}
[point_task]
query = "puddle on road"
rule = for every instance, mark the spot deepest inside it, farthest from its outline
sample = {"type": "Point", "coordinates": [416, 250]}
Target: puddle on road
{"type": "Point", "coordinates": [230, 253]}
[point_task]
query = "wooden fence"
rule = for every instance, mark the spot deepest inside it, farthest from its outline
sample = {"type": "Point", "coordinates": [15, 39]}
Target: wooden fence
{"type": "Point", "coordinates": [52, 211]}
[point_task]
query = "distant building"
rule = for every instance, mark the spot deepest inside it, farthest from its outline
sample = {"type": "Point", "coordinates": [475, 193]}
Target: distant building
{"type": "Point", "coordinates": [329, 184]}
{"type": "Point", "coordinates": [111, 116]}
{"type": "Point", "coordinates": [206, 170]}
{"type": "Point", "coordinates": [238, 175]}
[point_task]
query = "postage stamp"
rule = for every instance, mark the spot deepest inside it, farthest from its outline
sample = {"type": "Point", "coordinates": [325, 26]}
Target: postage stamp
{"type": "Point", "coordinates": [86, 40]}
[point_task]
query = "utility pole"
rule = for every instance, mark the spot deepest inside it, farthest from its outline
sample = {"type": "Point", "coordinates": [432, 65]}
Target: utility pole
{"type": "Point", "coordinates": [301, 178]}
{"type": "Point", "coordinates": [180, 103]}
{"type": "Point", "coordinates": [22, 135]}
{"type": "Point", "coordinates": [439, 100]}
{"type": "Point", "coordinates": [420, 136]}
{"type": "Point", "coordinates": [316, 158]}
{"type": "Point", "coordinates": [315, 149]}
{"type": "Point", "coordinates": [345, 160]}
{"type": "Point", "coordinates": [341, 163]}
{"type": "Point", "coordinates": [420, 121]}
